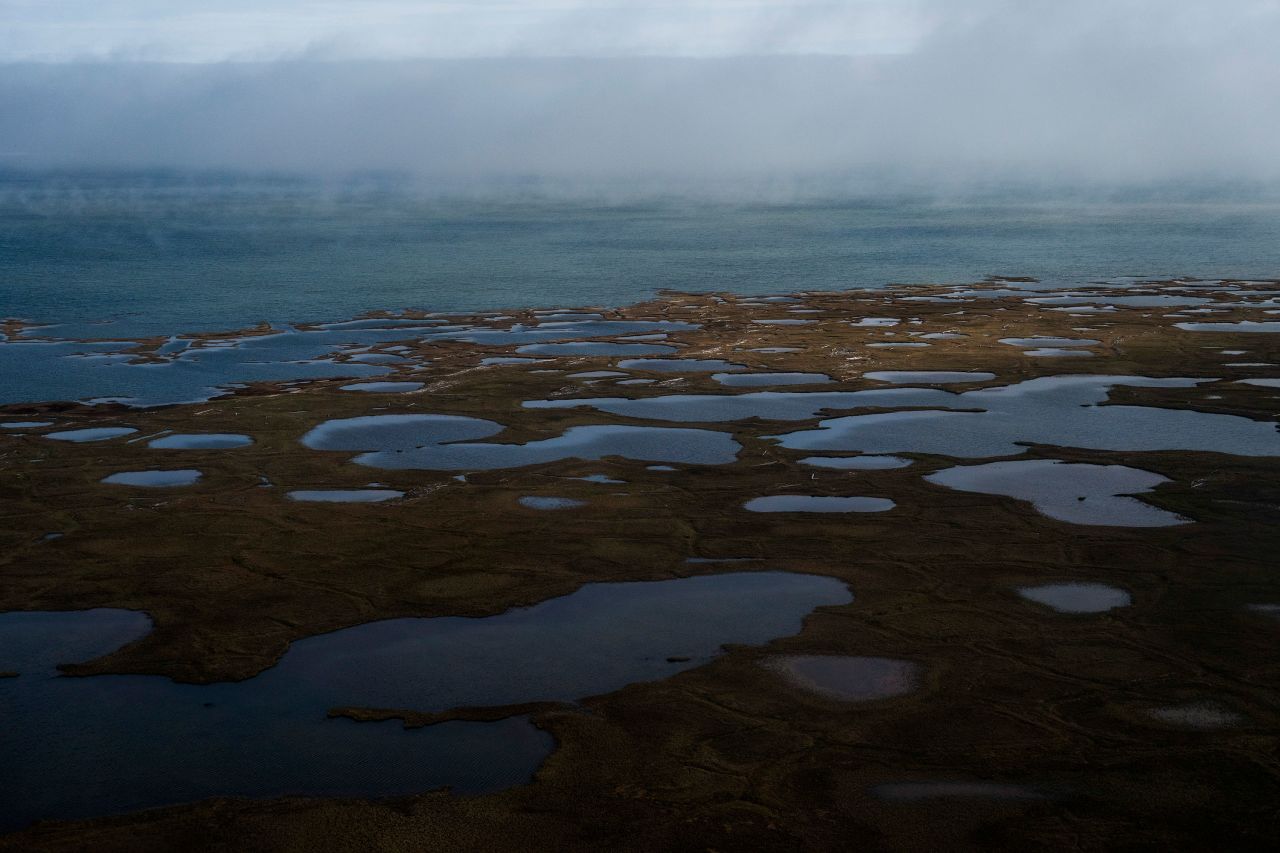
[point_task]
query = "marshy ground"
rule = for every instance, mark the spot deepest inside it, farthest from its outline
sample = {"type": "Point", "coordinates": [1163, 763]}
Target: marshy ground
{"type": "Point", "coordinates": [1010, 724]}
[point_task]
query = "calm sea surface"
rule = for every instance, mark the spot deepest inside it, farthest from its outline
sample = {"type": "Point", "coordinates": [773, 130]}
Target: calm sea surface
{"type": "Point", "coordinates": [111, 255]}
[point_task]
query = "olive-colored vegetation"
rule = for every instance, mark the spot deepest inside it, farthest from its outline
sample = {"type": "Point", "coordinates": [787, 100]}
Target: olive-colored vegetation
{"type": "Point", "coordinates": [727, 756]}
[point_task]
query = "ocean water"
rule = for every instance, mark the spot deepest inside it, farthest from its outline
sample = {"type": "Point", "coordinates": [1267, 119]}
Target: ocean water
{"type": "Point", "coordinates": [139, 254]}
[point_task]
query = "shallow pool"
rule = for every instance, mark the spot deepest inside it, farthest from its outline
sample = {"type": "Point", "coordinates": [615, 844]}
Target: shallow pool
{"type": "Point", "coordinates": [817, 503]}
{"type": "Point", "coordinates": [90, 434]}
{"type": "Point", "coordinates": [856, 463]}
{"type": "Point", "coordinates": [1078, 493]}
{"type": "Point", "coordinates": [680, 365]}
{"type": "Point", "coordinates": [79, 747]}
{"type": "Point", "coordinates": [750, 380]}
{"type": "Point", "coordinates": [440, 443]}
{"type": "Point", "coordinates": [549, 503]}
{"type": "Point", "coordinates": [847, 678]}
{"type": "Point", "coordinates": [154, 479]}
{"type": "Point", "coordinates": [360, 496]}
{"type": "Point", "coordinates": [383, 387]}
{"type": "Point", "coordinates": [595, 348]}
{"type": "Point", "coordinates": [928, 377]}
{"type": "Point", "coordinates": [201, 441]}
{"type": "Point", "coordinates": [1077, 597]}
{"type": "Point", "coordinates": [999, 421]}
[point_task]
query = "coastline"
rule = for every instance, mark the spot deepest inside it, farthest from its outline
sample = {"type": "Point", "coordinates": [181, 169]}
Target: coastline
{"type": "Point", "coordinates": [931, 577]}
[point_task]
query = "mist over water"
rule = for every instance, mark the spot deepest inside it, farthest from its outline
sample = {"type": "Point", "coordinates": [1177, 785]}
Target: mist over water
{"type": "Point", "coordinates": [212, 166]}
{"type": "Point", "coordinates": [159, 253]}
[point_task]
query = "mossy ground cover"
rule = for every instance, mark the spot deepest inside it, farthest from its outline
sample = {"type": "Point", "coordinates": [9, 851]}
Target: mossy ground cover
{"type": "Point", "coordinates": [727, 756]}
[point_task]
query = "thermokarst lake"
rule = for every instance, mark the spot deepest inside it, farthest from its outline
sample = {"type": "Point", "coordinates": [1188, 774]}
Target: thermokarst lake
{"type": "Point", "coordinates": [269, 736]}
{"type": "Point", "coordinates": [579, 426]}
{"type": "Point", "coordinates": [440, 573]}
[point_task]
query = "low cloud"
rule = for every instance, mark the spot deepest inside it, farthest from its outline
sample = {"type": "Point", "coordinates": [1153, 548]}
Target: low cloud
{"type": "Point", "coordinates": [1127, 91]}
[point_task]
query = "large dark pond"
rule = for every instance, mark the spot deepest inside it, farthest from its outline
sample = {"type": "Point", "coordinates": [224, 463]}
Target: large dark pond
{"type": "Point", "coordinates": [77, 747]}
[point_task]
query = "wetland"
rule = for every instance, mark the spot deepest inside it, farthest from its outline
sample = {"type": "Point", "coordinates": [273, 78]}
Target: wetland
{"type": "Point", "coordinates": [948, 596]}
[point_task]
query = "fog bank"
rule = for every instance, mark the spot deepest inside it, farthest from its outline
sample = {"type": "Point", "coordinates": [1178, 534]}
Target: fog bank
{"type": "Point", "coordinates": [1095, 93]}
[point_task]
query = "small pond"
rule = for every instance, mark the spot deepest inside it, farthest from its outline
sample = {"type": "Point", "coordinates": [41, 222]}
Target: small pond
{"type": "Point", "coordinates": [1077, 597]}
{"type": "Point", "coordinates": [817, 503]}
{"type": "Point", "coordinates": [361, 496]}
{"type": "Point", "coordinates": [154, 479]}
{"type": "Point", "coordinates": [1073, 492]}
{"type": "Point", "coordinates": [749, 380]}
{"type": "Point", "coordinates": [201, 441]}
{"type": "Point", "coordinates": [847, 678]}
{"type": "Point", "coordinates": [86, 746]}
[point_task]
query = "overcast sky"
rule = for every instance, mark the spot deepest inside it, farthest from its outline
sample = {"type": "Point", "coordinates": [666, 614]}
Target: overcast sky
{"type": "Point", "coordinates": [1100, 90]}
{"type": "Point", "coordinates": [213, 30]}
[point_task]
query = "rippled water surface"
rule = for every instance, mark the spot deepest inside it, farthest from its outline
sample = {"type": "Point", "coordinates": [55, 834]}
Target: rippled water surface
{"type": "Point", "coordinates": [103, 255]}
